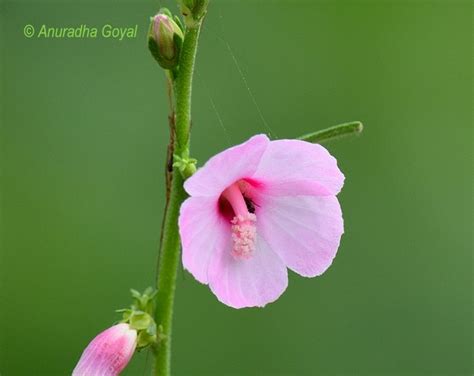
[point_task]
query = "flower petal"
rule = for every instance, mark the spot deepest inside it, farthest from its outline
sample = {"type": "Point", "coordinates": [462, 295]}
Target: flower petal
{"type": "Point", "coordinates": [227, 167]}
{"type": "Point", "coordinates": [203, 233]}
{"type": "Point", "coordinates": [293, 167]}
{"type": "Point", "coordinates": [248, 283]}
{"type": "Point", "coordinates": [304, 231]}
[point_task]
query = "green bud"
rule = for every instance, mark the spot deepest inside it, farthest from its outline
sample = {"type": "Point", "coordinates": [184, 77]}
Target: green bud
{"type": "Point", "coordinates": [165, 38]}
{"type": "Point", "coordinates": [193, 11]}
{"type": "Point", "coordinates": [185, 165]}
{"type": "Point", "coordinates": [139, 317]}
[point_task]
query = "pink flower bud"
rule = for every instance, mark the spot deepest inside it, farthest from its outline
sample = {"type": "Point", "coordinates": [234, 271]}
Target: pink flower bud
{"type": "Point", "coordinates": [164, 40]}
{"type": "Point", "coordinates": [108, 353]}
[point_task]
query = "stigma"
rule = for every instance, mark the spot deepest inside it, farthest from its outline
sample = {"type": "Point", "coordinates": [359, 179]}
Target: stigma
{"type": "Point", "coordinates": [244, 230]}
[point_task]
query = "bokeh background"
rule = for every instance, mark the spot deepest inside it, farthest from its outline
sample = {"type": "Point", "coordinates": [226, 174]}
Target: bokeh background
{"type": "Point", "coordinates": [83, 138]}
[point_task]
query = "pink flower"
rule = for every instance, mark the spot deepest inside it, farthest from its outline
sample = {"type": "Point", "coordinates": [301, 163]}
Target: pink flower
{"type": "Point", "coordinates": [257, 209]}
{"type": "Point", "coordinates": [108, 353]}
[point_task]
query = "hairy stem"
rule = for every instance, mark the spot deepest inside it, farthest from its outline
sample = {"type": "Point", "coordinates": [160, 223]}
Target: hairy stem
{"type": "Point", "coordinates": [170, 248]}
{"type": "Point", "coordinates": [169, 261]}
{"type": "Point", "coordinates": [183, 90]}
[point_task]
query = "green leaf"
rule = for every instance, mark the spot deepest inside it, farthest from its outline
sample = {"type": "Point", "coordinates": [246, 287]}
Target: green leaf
{"type": "Point", "coordinates": [331, 133]}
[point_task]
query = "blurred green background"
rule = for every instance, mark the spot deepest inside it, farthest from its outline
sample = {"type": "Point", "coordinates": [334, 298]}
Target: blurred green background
{"type": "Point", "coordinates": [83, 137]}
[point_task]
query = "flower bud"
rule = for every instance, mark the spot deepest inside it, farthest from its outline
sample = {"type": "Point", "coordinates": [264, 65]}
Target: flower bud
{"type": "Point", "coordinates": [193, 11]}
{"type": "Point", "coordinates": [108, 353]}
{"type": "Point", "coordinates": [164, 40]}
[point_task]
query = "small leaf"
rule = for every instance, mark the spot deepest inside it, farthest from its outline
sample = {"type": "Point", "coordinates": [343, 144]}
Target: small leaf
{"type": "Point", "coordinates": [331, 133]}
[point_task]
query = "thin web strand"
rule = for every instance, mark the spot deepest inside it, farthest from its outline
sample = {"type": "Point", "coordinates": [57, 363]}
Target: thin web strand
{"type": "Point", "coordinates": [214, 107]}
{"type": "Point", "coordinates": [147, 357]}
{"type": "Point", "coordinates": [242, 76]}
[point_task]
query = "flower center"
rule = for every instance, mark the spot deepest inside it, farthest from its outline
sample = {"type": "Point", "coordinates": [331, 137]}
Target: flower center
{"type": "Point", "coordinates": [244, 231]}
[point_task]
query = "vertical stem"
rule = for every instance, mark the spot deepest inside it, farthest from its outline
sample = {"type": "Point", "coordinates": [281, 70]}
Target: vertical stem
{"type": "Point", "coordinates": [166, 283]}
{"type": "Point", "coordinates": [183, 89]}
{"type": "Point", "coordinates": [170, 250]}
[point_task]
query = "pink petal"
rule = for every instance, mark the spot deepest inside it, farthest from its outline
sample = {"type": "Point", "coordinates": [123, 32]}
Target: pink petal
{"type": "Point", "coordinates": [227, 167]}
{"type": "Point", "coordinates": [108, 353]}
{"type": "Point", "coordinates": [293, 167]}
{"type": "Point", "coordinates": [203, 234]}
{"type": "Point", "coordinates": [304, 231]}
{"type": "Point", "coordinates": [248, 283]}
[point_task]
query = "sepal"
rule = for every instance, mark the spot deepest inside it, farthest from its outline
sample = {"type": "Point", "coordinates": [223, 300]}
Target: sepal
{"type": "Point", "coordinates": [139, 317]}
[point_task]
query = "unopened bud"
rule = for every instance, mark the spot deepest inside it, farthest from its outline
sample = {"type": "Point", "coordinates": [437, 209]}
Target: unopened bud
{"type": "Point", "coordinates": [108, 353]}
{"type": "Point", "coordinates": [193, 11]}
{"type": "Point", "coordinates": [165, 38]}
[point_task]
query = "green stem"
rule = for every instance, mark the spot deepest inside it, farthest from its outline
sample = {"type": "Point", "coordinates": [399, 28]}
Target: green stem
{"type": "Point", "coordinates": [333, 132]}
{"type": "Point", "coordinates": [183, 90]}
{"type": "Point", "coordinates": [166, 283]}
{"type": "Point", "coordinates": [170, 250]}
